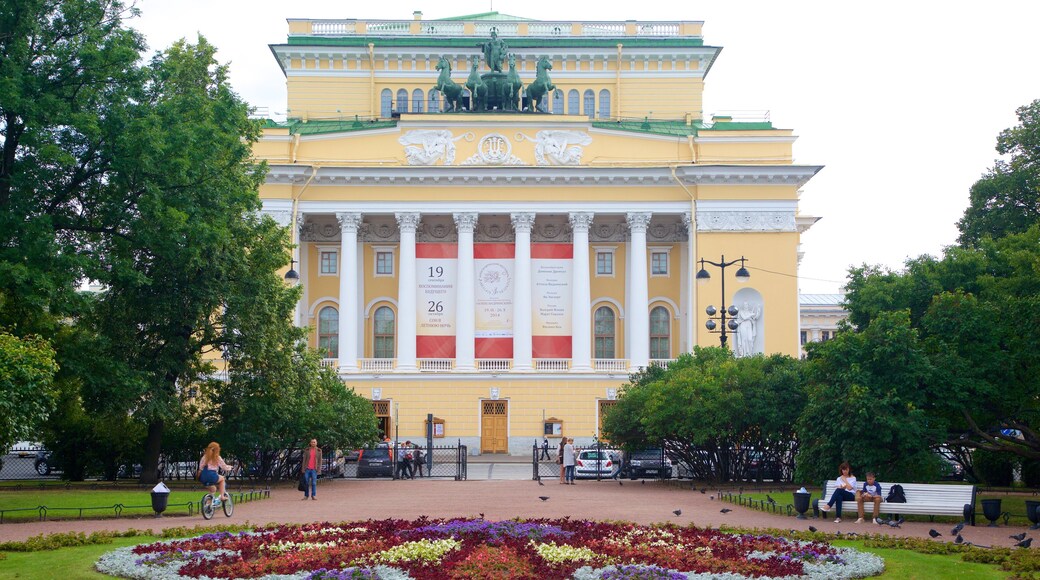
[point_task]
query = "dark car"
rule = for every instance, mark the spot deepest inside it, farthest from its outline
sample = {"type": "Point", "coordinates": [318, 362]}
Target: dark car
{"type": "Point", "coordinates": [44, 462]}
{"type": "Point", "coordinates": [647, 463]}
{"type": "Point", "coordinates": [375, 462]}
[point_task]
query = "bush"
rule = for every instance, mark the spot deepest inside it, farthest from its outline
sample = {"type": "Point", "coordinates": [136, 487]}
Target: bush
{"type": "Point", "coordinates": [1031, 472]}
{"type": "Point", "coordinates": [994, 468]}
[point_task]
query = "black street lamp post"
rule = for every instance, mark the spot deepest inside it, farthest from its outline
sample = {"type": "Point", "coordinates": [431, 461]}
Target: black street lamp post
{"type": "Point", "coordinates": [702, 278]}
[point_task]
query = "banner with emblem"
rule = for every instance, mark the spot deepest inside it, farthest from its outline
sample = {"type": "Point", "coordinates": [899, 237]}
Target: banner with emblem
{"type": "Point", "coordinates": [436, 276]}
{"type": "Point", "coordinates": [494, 278]}
{"type": "Point", "coordinates": [551, 278]}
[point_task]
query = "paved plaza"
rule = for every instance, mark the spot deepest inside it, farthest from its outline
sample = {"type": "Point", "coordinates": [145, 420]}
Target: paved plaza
{"type": "Point", "coordinates": [499, 499]}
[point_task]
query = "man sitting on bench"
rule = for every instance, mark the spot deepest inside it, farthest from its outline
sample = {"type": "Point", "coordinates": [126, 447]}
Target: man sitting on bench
{"type": "Point", "coordinates": [871, 492]}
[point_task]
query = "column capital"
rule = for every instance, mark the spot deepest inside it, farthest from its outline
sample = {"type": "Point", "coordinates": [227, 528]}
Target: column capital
{"type": "Point", "coordinates": [466, 222]}
{"type": "Point", "coordinates": [581, 221]}
{"type": "Point", "coordinates": [408, 222]}
{"type": "Point", "coordinates": [638, 221]}
{"type": "Point", "coordinates": [522, 222]}
{"type": "Point", "coordinates": [349, 222]}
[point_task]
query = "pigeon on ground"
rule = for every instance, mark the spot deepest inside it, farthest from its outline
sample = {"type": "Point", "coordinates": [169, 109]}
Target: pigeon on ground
{"type": "Point", "coordinates": [812, 529]}
{"type": "Point", "coordinates": [711, 497]}
{"type": "Point", "coordinates": [704, 490]}
{"type": "Point", "coordinates": [769, 499]}
{"type": "Point", "coordinates": [481, 515]}
{"type": "Point", "coordinates": [959, 539]}
{"type": "Point", "coordinates": [957, 529]}
{"type": "Point", "coordinates": [540, 482]}
{"type": "Point", "coordinates": [725, 510]}
{"type": "Point", "coordinates": [882, 522]}
{"type": "Point", "coordinates": [894, 524]}
{"type": "Point", "coordinates": [642, 481]}
{"type": "Point", "coordinates": [1025, 543]}
{"type": "Point", "coordinates": [543, 497]}
{"type": "Point", "coordinates": [619, 483]}
{"type": "Point", "coordinates": [934, 533]}
{"type": "Point", "coordinates": [900, 521]}
{"type": "Point", "coordinates": [677, 512]}
{"type": "Point", "coordinates": [1018, 537]}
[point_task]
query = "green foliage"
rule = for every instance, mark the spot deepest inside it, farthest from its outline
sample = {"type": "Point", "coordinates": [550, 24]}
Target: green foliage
{"type": "Point", "coordinates": [994, 468]}
{"type": "Point", "coordinates": [708, 408]}
{"type": "Point", "coordinates": [27, 370]}
{"type": "Point", "coordinates": [868, 404]}
{"type": "Point", "coordinates": [1006, 200]}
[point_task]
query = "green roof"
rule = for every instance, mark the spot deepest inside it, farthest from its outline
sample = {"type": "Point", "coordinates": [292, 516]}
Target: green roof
{"type": "Point", "coordinates": [318, 127]}
{"type": "Point", "coordinates": [514, 41]}
{"type": "Point", "coordinates": [676, 128]}
{"type": "Point", "coordinates": [741, 126]}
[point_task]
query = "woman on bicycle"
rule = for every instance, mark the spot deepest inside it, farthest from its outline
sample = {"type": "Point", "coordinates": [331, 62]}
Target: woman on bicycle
{"type": "Point", "coordinates": [209, 465]}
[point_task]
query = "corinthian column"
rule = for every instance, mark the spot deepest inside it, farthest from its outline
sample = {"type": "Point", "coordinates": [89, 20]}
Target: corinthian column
{"type": "Point", "coordinates": [465, 313]}
{"type": "Point", "coordinates": [348, 291]}
{"type": "Point", "coordinates": [639, 310]}
{"type": "Point", "coordinates": [581, 295]}
{"type": "Point", "coordinates": [522, 223]}
{"type": "Point", "coordinates": [406, 293]}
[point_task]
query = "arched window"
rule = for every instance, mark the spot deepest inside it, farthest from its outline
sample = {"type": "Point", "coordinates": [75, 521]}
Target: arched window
{"type": "Point", "coordinates": [418, 99]}
{"type": "Point", "coordinates": [328, 332]}
{"type": "Point", "coordinates": [604, 332]}
{"type": "Point", "coordinates": [435, 101]}
{"type": "Point", "coordinates": [604, 104]}
{"type": "Point", "coordinates": [590, 103]}
{"type": "Point", "coordinates": [386, 102]}
{"type": "Point", "coordinates": [383, 333]}
{"type": "Point", "coordinates": [573, 106]}
{"type": "Point", "coordinates": [660, 340]}
{"type": "Point", "coordinates": [557, 103]}
{"type": "Point", "coordinates": [402, 101]}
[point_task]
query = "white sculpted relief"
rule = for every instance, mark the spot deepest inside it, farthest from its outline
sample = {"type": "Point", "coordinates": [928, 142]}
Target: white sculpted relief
{"type": "Point", "coordinates": [747, 320]}
{"type": "Point", "coordinates": [558, 147]}
{"type": "Point", "coordinates": [426, 147]}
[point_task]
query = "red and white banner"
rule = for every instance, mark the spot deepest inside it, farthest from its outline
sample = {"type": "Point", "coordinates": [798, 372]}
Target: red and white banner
{"type": "Point", "coordinates": [495, 283]}
{"type": "Point", "coordinates": [551, 279]}
{"type": "Point", "coordinates": [436, 276]}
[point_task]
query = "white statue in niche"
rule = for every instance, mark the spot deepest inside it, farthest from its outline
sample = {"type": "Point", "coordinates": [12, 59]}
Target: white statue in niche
{"type": "Point", "coordinates": [747, 329]}
{"type": "Point", "coordinates": [559, 147]}
{"type": "Point", "coordinates": [427, 147]}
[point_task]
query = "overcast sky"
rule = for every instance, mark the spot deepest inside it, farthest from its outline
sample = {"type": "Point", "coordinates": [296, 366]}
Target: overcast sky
{"type": "Point", "coordinates": [901, 101]}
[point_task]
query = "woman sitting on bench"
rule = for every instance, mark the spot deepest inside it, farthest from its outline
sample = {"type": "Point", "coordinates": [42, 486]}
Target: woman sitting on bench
{"type": "Point", "coordinates": [845, 490]}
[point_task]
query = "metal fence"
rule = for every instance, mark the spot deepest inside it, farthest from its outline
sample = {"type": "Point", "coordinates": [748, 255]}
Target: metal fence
{"type": "Point", "coordinates": [544, 464]}
{"type": "Point", "coordinates": [38, 464]}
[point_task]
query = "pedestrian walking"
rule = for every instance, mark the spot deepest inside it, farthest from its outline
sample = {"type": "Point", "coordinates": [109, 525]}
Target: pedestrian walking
{"type": "Point", "coordinates": [310, 462]}
{"type": "Point", "coordinates": [545, 449]}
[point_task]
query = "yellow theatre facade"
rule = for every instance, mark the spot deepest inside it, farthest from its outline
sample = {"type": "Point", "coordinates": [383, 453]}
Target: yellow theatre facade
{"type": "Point", "coordinates": [505, 270]}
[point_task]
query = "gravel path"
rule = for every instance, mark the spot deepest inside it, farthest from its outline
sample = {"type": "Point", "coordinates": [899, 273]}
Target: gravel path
{"type": "Point", "coordinates": [643, 503]}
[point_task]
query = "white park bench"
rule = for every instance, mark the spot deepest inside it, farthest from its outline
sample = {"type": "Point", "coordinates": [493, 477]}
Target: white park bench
{"type": "Point", "coordinates": [925, 499]}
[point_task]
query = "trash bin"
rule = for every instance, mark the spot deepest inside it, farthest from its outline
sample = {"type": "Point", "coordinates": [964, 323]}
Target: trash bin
{"type": "Point", "coordinates": [160, 498]}
{"type": "Point", "coordinates": [801, 503]}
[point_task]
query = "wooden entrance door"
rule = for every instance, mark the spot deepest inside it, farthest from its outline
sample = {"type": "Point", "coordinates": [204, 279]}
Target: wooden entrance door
{"type": "Point", "coordinates": [494, 437]}
{"type": "Point", "coordinates": [382, 409]}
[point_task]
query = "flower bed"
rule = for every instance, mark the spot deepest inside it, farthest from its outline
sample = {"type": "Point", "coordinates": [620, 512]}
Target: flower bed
{"type": "Point", "coordinates": [466, 548]}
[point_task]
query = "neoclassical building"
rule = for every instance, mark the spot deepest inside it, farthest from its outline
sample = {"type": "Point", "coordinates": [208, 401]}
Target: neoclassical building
{"type": "Point", "coordinates": [502, 255]}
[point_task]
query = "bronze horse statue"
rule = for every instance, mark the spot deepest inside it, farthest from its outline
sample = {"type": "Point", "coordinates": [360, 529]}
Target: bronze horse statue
{"type": "Point", "coordinates": [511, 87]}
{"type": "Point", "coordinates": [541, 86]}
{"type": "Point", "coordinates": [477, 88]}
{"type": "Point", "coordinates": [451, 90]}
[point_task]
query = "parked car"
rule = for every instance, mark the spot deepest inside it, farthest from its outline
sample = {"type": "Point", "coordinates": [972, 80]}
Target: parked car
{"type": "Point", "coordinates": [591, 463]}
{"type": "Point", "coordinates": [760, 467]}
{"type": "Point", "coordinates": [44, 462]}
{"type": "Point", "coordinates": [647, 463]}
{"type": "Point", "coordinates": [375, 462]}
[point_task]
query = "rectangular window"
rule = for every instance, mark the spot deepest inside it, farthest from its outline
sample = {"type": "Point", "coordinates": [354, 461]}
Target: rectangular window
{"type": "Point", "coordinates": [328, 260]}
{"type": "Point", "coordinates": [805, 337]}
{"type": "Point", "coordinates": [659, 264]}
{"type": "Point", "coordinates": [825, 335]}
{"type": "Point", "coordinates": [384, 263]}
{"type": "Point", "coordinates": [604, 263]}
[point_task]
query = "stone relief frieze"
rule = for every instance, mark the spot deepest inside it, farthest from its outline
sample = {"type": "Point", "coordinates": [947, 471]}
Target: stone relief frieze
{"type": "Point", "coordinates": [608, 232]}
{"type": "Point", "coordinates": [746, 221]}
{"type": "Point", "coordinates": [552, 231]}
{"type": "Point", "coordinates": [379, 232]}
{"type": "Point", "coordinates": [557, 147]}
{"type": "Point", "coordinates": [666, 232]}
{"type": "Point", "coordinates": [319, 232]}
{"type": "Point", "coordinates": [427, 146]}
{"type": "Point", "coordinates": [436, 232]}
{"type": "Point", "coordinates": [494, 149]}
{"type": "Point", "coordinates": [493, 232]}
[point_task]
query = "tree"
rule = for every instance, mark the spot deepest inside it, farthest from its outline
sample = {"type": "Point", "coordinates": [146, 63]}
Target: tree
{"type": "Point", "coordinates": [869, 397]}
{"type": "Point", "coordinates": [713, 412]}
{"type": "Point", "coordinates": [27, 396]}
{"type": "Point", "coordinates": [1006, 199]}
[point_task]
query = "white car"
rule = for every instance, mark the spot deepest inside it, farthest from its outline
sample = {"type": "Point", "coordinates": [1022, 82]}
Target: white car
{"type": "Point", "coordinates": [591, 463]}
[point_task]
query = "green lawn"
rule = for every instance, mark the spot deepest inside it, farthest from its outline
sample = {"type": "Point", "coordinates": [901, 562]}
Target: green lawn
{"type": "Point", "coordinates": [77, 563]}
{"type": "Point", "coordinates": [64, 504]}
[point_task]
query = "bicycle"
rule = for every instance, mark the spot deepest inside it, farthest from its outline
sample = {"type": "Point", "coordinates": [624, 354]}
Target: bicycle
{"type": "Point", "coordinates": [210, 503]}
